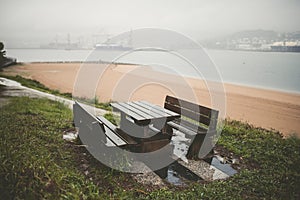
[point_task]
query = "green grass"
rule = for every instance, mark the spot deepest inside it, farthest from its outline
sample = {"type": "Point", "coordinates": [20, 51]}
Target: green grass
{"type": "Point", "coordinates": [41, 87]}
{"type": "Point", "coordinates": [115, 119]}
{"type": "Point", "coordinates": [95, 102]}
{"type": "Point", "coordinates": [37, 164]}
{"type": "Point", "coordinates": [36, 85]}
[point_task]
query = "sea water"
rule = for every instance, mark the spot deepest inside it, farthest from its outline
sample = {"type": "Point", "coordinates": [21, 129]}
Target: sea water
{"type": "Point", "coordinates": [271, 70]}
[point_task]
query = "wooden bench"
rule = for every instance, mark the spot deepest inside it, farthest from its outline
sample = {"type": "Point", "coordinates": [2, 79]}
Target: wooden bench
{"type": "Point", "coordinates": [195, 122]}
{"type": "Point", "coordinates": [99, 131]}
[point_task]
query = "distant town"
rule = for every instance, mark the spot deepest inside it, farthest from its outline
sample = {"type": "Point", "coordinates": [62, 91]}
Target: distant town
{"type": "Point", "coordinates": [258, 40]}
{"type": "Point", "coordinates": [252, 40]}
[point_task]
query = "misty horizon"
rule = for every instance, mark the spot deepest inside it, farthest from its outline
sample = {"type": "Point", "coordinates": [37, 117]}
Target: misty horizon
{"type": "Point", "coordinates": [32, 23]}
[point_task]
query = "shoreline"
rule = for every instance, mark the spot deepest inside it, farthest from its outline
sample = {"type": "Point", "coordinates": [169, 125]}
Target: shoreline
{"type": "Point", "coordinates": [270, 109]}
{"type": "Point", "coordinates": [292, 92]}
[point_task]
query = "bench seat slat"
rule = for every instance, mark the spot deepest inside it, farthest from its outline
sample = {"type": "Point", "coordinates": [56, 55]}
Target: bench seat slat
{"type": "Point", "coordinates": [187, 129]}
{"type": "Point", "coordinates": [108, 128]}
{"type": "Point", "coordinates": [181, 128]}
{"type": "Point", "coordinates": [115, 132]}
{"type": "Point", "coordinates": [193, 127]}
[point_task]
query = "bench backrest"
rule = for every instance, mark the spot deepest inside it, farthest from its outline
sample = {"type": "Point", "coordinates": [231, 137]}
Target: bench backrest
{"type": "Point", "coordinates": [191, 112]}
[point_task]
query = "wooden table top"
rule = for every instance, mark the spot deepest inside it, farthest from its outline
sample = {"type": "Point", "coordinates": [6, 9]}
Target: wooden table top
{"type": "Point", "coordinates": [141, 111]}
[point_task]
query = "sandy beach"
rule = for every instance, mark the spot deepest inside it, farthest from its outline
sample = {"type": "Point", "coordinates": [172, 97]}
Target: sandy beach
{"type": "Point", "coordinates": [263, 108]}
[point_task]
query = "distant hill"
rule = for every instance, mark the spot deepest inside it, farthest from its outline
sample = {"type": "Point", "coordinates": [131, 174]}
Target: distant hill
{"type": "Point", "coordinates": [265, 34]}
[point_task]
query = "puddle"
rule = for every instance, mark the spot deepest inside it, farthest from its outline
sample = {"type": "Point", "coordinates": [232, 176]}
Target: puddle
{"type": "Point", "coordinates": [224, 167]}
{"type": "Point", "coordinates": [181, 145]}
{"type": "Point", "coordinates": [177, 174]}
{"type": "Point", "coordinates": [9, 83]}
{"type": "Point", "coordinates": [13, 89]}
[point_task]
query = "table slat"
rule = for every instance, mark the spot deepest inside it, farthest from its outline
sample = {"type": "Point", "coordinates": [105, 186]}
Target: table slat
{"type": "Point", "coordinates": [169, 112]}
{"type": "Point", "coordinates": [126, 110]}
{"type": "Point", "coordinates": [132, 108]}
{"type": "Point", "coordinates": [142, 111]}
{"type": "Point", "coordinates": [161, 113]}
{"type": "Point", "coordinates": [148, 111]}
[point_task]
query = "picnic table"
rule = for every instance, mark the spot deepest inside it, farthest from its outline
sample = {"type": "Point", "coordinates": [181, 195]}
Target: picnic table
{"type": "Point", "coordinates": [145, 127]}
{"type": "Point", "coordinates": [142, 119]}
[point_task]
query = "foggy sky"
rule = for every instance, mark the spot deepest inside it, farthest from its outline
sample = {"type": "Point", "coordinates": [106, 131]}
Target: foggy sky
{"type": "Point", "coordinates": [37, 20]}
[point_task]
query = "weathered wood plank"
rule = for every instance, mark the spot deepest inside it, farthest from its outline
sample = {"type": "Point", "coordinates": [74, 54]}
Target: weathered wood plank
{"type": "Point", "coordinates": [158, 108]}
{"type": "Point", "coordinates": [116, 134]}
{"type": "Point", "coordinates": [191, 106]}
{"type": "Point", "coordinates": [127, 111]}
{"type": "Point", "coordinates": [155, 110]}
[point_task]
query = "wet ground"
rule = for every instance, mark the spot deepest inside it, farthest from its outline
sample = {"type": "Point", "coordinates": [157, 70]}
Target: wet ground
{"type": "Point", "coordinates": [219, 166]}
{"type": "Point", "coordinates": [178, 174]}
